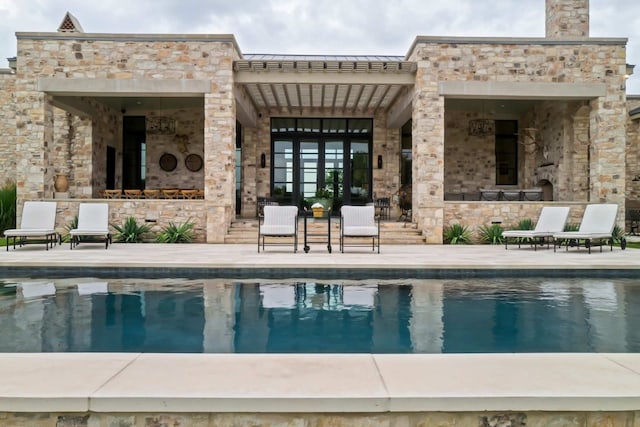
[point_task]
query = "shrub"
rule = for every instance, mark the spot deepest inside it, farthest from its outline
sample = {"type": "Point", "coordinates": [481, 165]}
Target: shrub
{"type": "Point", "coordinates": [180, 233]}
{"type": "Point", "coordinates": [7, 207]}
{"type": "Point", "coordinates": [457, 234]}
{"type": "Point", "coordinates": [130, 231]}
{"type": "Point", "coordinates": [491, 234]}
{"type": "Point", "coordinates": [525, 224]}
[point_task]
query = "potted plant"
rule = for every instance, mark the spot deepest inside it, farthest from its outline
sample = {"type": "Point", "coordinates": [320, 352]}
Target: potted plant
{"type": "Point", "coordinates": [323, 200]}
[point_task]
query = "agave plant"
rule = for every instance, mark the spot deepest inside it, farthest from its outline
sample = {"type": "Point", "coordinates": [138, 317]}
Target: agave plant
{"type": "Point", "coordinates": [73, 224]}
{"type": "Point", "coordinates": [130, 231]}
{"type": "Point", "coordinates": [525, 224]}
{"type": "Point", "coordinates": [176, 233]}
{"type": "Point", "coordinates": [491, 234]}
{"type": "Point", "coordinates": [457, 234]}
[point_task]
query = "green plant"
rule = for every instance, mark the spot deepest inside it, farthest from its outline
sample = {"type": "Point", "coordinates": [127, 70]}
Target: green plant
{"type": "Point", "coordinates": [73, 224]}
{"type": "Point", "coordinates": [491, 234]}
{"type": "Point", "coordinates": [618, 234]}
{"type": "Point", "coordinates": [525, 224]}
{"type": "Point", "coordinates": [324, 193]}
{"type": "Point", "coordinates": [130, 231]}
{"type": "Point", "coordinates": [457, 234]}
{"type": "Point", "coordinates": [176, 233]}
{"type": "Point", "coordinates": [7, 207]}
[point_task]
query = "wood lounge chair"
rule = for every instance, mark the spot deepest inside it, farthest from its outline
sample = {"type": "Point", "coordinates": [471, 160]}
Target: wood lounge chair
{"type": "Point", "coordinates": [93, 223]}
{"type": "Point", "coordinates": [278, 222]}
{"type": "Point", "coordinates": [596, 228]}
{"type": "Point", "coordinates": [359, 222]}
{"type": "Point", "coordinates": [552, 220]}
{"type": "Point", "coordinates": [37, 223]}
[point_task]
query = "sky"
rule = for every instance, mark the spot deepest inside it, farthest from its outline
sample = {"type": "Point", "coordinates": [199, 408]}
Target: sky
{"type": "Point", "coordinates": [329, 27]}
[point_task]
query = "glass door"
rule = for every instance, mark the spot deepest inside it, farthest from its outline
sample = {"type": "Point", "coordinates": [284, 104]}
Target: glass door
{"type": "Point", "coordinates": [309, 165]}
{"type": "Point", "coordinates": [334, 170]}
{"type": "Point", "coordinates": [283, 171]}
{"type": "Point", "coordinates": [359, 173]}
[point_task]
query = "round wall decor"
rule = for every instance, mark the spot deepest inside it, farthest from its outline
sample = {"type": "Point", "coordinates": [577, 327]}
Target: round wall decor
{"type": "Point", "coordinates": [168, 162]}
{"type": "Point", "coordinates": [193, 162]}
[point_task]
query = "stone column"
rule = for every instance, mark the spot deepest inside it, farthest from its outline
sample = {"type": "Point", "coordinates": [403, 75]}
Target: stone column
{"type": "Point", "coordinates": [250, 165]}
{"type": "Point", "coordinates": [219, 156]}
{"type": "Point", "coordinates": [34, 136]}
{"type": "Point", "coordinates": [428, 157]}
{"type": "Point", "coordinates": [607, 151]}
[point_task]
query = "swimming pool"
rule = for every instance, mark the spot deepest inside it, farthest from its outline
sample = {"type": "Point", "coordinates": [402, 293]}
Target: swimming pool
{"type": "Point", "coordinates": [304, 316]}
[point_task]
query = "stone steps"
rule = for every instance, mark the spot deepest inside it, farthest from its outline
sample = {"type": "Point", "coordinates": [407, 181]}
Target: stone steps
{"type": "Point", "coordinates": [245, 230]}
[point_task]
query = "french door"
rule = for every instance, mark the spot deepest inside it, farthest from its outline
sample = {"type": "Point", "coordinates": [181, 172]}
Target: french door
{"type": "Point", "coordinates": [338, 167]}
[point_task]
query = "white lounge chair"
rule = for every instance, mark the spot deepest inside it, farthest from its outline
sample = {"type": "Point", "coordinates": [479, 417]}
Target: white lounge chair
{"type": "Point", "coordinates": [596, 228]}
{"type": "Point", "coordinates": [93, 222]}
{"type": "Point", "coordinates": [278, 222]}
{"type": "Point", "coordinates": [359, 222]}
{"type": "Point", "coordinates": [38, 221]}
{"type": "Point", "coordinates": [552, 220]}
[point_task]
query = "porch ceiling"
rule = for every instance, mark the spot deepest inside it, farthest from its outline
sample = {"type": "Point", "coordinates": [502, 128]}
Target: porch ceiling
{"type": "Point", "coordinates": [338, 83]}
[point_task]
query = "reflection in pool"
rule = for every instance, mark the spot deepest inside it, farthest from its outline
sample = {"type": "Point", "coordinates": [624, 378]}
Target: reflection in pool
{"type": "Point", "coordinates": [416, 316]}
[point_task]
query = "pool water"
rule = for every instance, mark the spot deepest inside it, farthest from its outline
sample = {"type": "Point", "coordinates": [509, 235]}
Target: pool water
{"type": "Point", "coordinates": [252, 316]}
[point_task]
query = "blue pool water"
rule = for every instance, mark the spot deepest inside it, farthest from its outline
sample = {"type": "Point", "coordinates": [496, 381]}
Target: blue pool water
{"type": "Point", "coordinates": [414, 316]}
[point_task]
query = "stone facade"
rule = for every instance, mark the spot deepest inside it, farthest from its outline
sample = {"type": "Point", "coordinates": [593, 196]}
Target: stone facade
{"type": "Point", "coordinates": [572, 146]}
{"type": "Point", "coordinates": [419, 419]}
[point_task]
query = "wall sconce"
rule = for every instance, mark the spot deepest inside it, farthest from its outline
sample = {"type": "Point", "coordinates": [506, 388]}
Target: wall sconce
{"type": "Point", "coordinates": [263, 160]}
{"type": "Point", "coordinates": [636, 178]}
{"type": "Point", "coordinates": [379, 161]}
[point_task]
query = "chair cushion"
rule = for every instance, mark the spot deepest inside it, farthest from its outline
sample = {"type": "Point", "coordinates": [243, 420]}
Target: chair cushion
{"type": "Point", "coordinates": [277, 230]}
{"type": "Point", "coordinates": [356, 230]}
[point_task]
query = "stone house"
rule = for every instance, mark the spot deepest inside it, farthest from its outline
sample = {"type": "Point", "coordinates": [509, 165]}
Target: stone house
{"type": "Point", "coordinates": [434, 129]}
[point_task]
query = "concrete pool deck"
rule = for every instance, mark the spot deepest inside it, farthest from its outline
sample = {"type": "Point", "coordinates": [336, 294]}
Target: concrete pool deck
{"type": "Point", "coordinates": [358, 383]}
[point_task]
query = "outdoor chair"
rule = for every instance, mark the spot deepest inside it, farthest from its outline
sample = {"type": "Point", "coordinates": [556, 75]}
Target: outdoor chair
{"type": "Point", "coordinates": [151, 193]}
{"type": "Point", "coordinates": [278, 223]}
{"type": "Point", "coordinates": [383, 205]}
{"type": "Point", "coordinates": [112, 194]}
{"type": "Point", "coordinates": [132, 194]}
{"type": "Point", "coordinates": [532, 194]}
{"type": "Point", "coordinates": [552, 220]}
{"type": "Point", "coordinates": [38, 221]}
{"type": "Point", "coordinates": [359, 223]}
{"type": "Point", "coordinates": [93, 223]}
{"type": "Point", "coordinates": [596, 228]}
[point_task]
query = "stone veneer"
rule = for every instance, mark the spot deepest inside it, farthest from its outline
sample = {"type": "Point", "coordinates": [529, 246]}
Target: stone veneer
{"type": "Point", "coordinates": [7, 127]}
{"type": "Point", "coordinates": [633, 155]}
{"type": "Point", "coordinates": [400, 419]}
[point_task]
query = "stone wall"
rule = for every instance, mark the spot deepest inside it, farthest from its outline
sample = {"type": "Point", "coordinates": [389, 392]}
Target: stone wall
{"type": "Point", "coordinates": [405, 419]}
{"type": "Point", "coordinates": [7, 127]}
{"type": "Point", "coordinates": [154, 213]}
{"type": "Point", "coordinates": [633, 156]}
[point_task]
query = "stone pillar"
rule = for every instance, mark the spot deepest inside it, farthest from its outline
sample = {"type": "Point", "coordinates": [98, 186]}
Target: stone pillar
{"type": "Point", "coordinates": [250, 165]}
{"type": "Point", "coordinates": [567, 19]}
{"type": "Point", "coordinates": [34, 136]}
{"type": "Point", "coordinates": [607, 151]}
{"type": "Point", "coordinates": [219, 156]}
{"type": "Point", "coordinates": [428, 158]}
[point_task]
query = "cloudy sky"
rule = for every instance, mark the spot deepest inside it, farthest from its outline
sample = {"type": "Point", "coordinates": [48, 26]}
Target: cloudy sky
{"type": "Point", "coordinates": [354, 27]}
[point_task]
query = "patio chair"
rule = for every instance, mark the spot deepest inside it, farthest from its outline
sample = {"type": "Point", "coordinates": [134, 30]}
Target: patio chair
{"type": "Point", "coordinates": [38, 221]}
{"type": "Point", "coordinates": [552, 220]}
{"type": "Point", "coordinates": [359, 222]}
{"type": "Point", "coordinates": [93, 223]}
{"type": "Point", "coordinates": [278, 222]}
{"type": "Point", "coordinates": [596, 228]}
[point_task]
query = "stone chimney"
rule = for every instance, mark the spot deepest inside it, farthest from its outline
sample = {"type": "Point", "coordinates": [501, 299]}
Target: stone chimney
{"type": "Point", "coordinates": [567, 19]}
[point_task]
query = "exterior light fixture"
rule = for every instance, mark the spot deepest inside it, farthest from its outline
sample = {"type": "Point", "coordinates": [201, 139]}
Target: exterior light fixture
{"type": "Point", "coordinates": [481, 126]}
{"type": "Point", "coordinates": [379, 161]}
{"type": "Point", "coordinates": [263, 160]}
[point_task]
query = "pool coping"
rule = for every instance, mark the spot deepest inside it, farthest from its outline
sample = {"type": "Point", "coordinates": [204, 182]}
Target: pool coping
{"type": "Point", "coordinates": [339, 383]}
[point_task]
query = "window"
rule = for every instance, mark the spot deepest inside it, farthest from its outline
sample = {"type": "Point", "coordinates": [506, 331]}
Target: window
{"type": "Point", "coordinates": [506, 152]}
